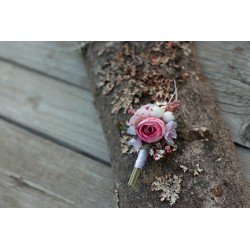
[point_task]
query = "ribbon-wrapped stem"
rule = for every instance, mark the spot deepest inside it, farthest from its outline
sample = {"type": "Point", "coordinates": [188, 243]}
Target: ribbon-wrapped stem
{"type": "Point", "coordinates": [139, 164]}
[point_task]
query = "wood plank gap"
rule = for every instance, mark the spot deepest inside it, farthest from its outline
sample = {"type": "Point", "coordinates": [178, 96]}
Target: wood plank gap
{"type": "Point", "coordinates": [57, 58]}
{"type": "Point", "coordinates": [34, 171]}
{"type": "Point", "coordinates": [54, 140]}
{"type": "Point", "coordinates": [54, 108]}
{"type": "Point", "coordinates": [41, 73]}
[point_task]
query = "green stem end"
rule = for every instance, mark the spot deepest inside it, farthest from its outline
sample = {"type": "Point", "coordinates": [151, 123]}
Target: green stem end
{"type": "Point", "coordinates": [133, 177]}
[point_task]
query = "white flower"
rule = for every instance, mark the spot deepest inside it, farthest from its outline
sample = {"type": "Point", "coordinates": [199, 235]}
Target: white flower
{"type": "Point", "coordinates": [157, 112]}
{"type": "Point", "coordinates": [151, 151]}
{"type": "Point", "coordinates": [168, 117]}
{"type": "Point", "coordinates": [159, 154]}
{"type": "Point", "coordinates": [157, 157]}
{"type": "Point", "coordinates": [160, 151]}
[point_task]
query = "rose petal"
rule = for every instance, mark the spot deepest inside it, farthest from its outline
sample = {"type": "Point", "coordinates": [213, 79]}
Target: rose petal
{"type": "Point", "coordinates": [142, 113]}
{"type": "Point", "coordinates": [131, 111]}
{"type": "Point", "coordinates": [135, 119]}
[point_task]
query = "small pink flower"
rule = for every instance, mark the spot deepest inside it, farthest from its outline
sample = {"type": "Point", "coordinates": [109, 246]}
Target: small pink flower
{"type": "Point", "coordinates": [173, 105]}
{"type": "Point", "coordinates": [155, 156]}
{"type": "Point", "coordinates": [168, 149]}
{"type": "Point", "coordinates": [170, 133]}
{"type": "Point", "coordinates": [151, 129]}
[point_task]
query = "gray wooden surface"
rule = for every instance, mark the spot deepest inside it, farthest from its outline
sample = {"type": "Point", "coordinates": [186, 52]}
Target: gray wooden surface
{"type": "Point", "coordinates": [53, 152]}
{"type": "Point", "coordinates": [58, 60]}
{"type": "Point", "coordinates": [32, 167]}
{"type": "Point", "coordinates": [226, 65]}
{"type": "Point", "coordinates": [49, 106]}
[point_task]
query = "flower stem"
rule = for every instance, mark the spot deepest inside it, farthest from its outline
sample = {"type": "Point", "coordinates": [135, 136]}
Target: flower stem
{"type": "Point", "coordinates": [134, 176]}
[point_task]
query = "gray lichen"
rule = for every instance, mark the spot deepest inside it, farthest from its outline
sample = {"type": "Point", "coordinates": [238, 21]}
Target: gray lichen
{"type": "Point", "coordinates": [184, 168]}
{"type": "Point", "coordinates": [125, 148]}
{"type": "Point", "coordinates": [170, 186]}
{"type": "Point", "coordinates": [195, 170]}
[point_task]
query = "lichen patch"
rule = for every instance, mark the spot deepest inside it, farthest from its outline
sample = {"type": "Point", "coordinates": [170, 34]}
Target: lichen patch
{"type": "Point", "coordinates": [170, 187]}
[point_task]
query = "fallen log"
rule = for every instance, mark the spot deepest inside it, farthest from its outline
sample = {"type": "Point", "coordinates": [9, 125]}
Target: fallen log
{"type": "Point", "coordinates": [203, 171]}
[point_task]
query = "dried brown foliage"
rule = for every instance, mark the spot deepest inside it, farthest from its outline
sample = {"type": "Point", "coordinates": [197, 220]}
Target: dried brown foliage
{"type": "Point", "coordinates": [134, 72]}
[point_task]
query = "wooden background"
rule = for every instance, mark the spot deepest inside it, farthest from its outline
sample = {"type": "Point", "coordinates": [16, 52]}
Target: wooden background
{"type": "Point", "coordinates": [53, 152]}
{"type": "Point", "coordinates": [226, 65]}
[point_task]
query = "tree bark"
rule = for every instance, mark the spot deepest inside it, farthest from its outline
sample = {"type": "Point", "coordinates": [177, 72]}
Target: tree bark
{"type": "Point", "coordinates": [202, 139]}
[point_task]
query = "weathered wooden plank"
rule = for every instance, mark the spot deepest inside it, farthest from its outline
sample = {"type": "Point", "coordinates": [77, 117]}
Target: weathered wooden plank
{"type": "Point", "coordinates": [57, 59]}
{"type": "Point", "coordinates": [226, 66]}
{"type": "Point", "coordinates": [62, 111]}
{"type": "Point", "coordinates": [16, 194]}
{"type": "Point", "coordinates": [35, 172]}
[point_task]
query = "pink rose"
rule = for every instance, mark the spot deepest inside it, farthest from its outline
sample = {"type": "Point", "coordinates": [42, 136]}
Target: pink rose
{"type": "Point", "coordinates": [151, 129]}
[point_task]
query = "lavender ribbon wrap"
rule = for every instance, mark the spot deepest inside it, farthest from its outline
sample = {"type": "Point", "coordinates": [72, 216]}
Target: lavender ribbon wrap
{"type": "Point", "coordinates": [141, 158]}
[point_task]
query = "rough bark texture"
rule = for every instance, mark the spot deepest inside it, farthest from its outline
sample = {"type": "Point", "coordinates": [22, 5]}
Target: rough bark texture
{"type": "Point", "coordinates": [221, 184]}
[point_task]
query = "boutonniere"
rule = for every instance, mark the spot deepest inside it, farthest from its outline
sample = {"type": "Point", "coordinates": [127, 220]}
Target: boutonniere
{"type": "Point", "coordinates": [152, 131]}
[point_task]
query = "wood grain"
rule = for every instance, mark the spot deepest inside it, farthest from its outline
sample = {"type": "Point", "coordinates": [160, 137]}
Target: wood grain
{"type": "Point", "coordinates": [56, 59]}
{"type": "Point", "coordinates": [61, 111]}
{"type": "Point", "coordinates": [35, 172]}
{"type": "Point", "coordinates": [226, 66]}
{"type": "Point", "coordinates": [16, 194]}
